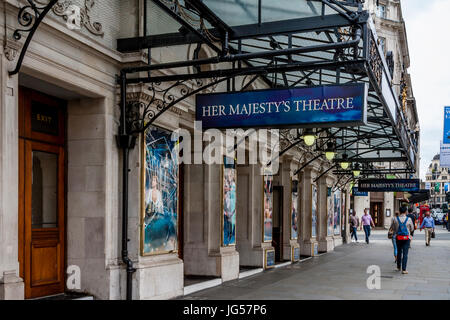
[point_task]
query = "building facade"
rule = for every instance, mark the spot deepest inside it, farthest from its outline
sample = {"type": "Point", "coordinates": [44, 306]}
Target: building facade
{"type": "Point", "coordinates": [438, 181]}
{"type": "Point", "coordinates": [392, 36]}
{"type": "Point", "coordinates": [86, 207]}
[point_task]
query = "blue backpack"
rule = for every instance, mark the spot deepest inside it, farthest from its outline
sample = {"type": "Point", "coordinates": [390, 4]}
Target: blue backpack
{"type": "Point", "coordinates": [402, 229]}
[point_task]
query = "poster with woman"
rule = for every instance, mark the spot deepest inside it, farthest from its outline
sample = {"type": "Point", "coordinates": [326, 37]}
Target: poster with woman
{"type": "Point", "coordinates": [159, 216]}
{"type": "Point", "coordinates": [330, 213]}
{"type": "Point", "coordinates": [294, 210]}
{"type": "Point", "coordinates": [337, 212]}
{"type": "Point", "coordinates": [268, 206]}
{"type": "Point", "coordinates": [229, 202]}
{"type": "Point", "coordinates": [313, 211]}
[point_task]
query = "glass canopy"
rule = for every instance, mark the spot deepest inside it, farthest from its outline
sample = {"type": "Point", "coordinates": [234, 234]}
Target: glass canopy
{"type": "Point", "coordinates": [333, 42]}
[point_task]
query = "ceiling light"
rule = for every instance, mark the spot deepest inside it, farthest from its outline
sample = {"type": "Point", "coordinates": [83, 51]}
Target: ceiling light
{"type": "Point", "coordinates": [309, 137]}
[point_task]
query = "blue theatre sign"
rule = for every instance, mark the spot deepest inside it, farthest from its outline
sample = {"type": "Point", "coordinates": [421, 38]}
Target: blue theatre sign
{"type": "Point", "coordinates": [319, 106]}
{"type": "Point", "coordinates": [357, 193]}
{"type": "Point", "coordinates": [389, 185]}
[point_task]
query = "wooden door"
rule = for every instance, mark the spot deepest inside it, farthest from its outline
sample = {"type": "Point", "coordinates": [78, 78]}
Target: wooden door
{"type": "Point", "coordinates": [376, 210]}
{"type": "Point", "coordinates": [41, 195]}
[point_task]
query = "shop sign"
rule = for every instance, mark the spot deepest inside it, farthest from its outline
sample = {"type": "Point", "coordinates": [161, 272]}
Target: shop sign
{"type": "Point", "coordinates": [44, 119]}
{"type": "Point", "coordinates": [357, 193]}
{"type": "Point", "coordinates": [389, 185]}
{"type": "Point", "coordinates": [447, 125]}
{"type": "Point", "coordinates": [319, 106]}
{"type": "Point", "coordinates": [444, 160]}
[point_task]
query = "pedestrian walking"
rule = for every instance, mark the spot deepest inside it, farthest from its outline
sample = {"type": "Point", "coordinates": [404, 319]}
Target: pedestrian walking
{"type": "Point", "coordinates": [367, 221]}
{"type": "Point", "coordinates": [428, 224]}
{"type": "Point", "coordinates": [412, 216]}
{"type": "Point", "coordinates": [392, 236]}
{"type": "Point", "coordinates": [354, 224]}
{"type": "Point", "coordinates": [402, 227]}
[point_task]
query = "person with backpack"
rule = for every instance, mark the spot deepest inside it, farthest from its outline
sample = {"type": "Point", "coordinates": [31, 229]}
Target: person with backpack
{"type": "Point", "coordinates": [428, 224]}
{"type": "Point", "coordinates": [402, 227]}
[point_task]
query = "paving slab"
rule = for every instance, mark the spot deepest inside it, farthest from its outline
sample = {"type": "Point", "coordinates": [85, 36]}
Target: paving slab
{"type": "Point", "coordinates": [342, 274]}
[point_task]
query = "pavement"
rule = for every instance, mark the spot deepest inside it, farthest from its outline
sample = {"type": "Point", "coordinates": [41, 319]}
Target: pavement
{"type": "Point", "coordinates": [342, 274]}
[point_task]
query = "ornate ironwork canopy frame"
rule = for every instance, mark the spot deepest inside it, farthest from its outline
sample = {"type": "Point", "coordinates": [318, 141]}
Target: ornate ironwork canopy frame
{"type": "Point", "coordinates": [344, 50]}
{"type": "Point", "coordinates": [354, 52]}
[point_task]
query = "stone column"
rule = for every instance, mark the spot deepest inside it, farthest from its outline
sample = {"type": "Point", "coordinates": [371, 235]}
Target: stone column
{"type": "Point", "coordinates": [286, 178]}
{"type": "Point", "coordinates": [326, 242]}
{"type": "Point", "coordinates": [388, 204]}
{"type": "Point", "coordinates": [92, 195]}
{"type": "Point", "coordinates": [308, 240]}
{"type": "Point", "coordinates": [11, 285]}
{"type": "Point", "coordinates": [338, 237]}
{"type": "Point", "coordinates": [249, 226]}
{"type": "Point", "coordinates": [203, 250]}
{"type": "Point", "coordinates": [347, 217]}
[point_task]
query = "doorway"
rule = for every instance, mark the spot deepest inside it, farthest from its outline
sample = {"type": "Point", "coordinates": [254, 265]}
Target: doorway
{"type": "Point", "coordinates": [42, 175]}
{"type": "Point", "coordinates": [277, 231]}
{"type": "Point", "coordinates": [376, 210]}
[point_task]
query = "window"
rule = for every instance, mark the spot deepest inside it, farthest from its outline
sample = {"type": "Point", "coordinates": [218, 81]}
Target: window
{"type": "Point", "coordinates": [383, 44]}
{"type": "Point", "coordinates": [381, 11]}
{"type": "Point", "coordinates": [444, 177]}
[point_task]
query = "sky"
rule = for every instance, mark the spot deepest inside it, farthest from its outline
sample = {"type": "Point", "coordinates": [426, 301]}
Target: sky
{"type": "Point", "coordinates": [428, 30]}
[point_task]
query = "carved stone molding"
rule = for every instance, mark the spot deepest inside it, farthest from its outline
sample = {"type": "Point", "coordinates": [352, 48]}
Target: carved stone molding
{"type": "Point", "coordinates": [69, 11]}
{"type": "Point", "coordinates": [10, 53]}
{"type": "Point", "coordinates": [11, 49]}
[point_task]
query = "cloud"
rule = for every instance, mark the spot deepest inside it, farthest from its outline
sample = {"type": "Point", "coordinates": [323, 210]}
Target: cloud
{"type": "Point", "coordinates": [427, 25]}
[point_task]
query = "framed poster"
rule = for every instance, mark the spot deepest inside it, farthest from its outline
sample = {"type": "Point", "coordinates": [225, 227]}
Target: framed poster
{"type": "Point", "coordinates": [228, 202]}
{"type": "Point", "coordinates": [159, 190]}
{"type": "Point", "coordinates": [268, 208]}
{"type": "Point", "coordinates": [295, 254]}
{"type": "Point", "coordinates": [337, 212]}
{"type": "Point", "coordinates": [269, 259]}
{"type": "Point", "coordinates": [313, 211]}
{"type": "Point", "coordinates": [330, 213]}
{"type": "Point", "coordinates": [294, 210]}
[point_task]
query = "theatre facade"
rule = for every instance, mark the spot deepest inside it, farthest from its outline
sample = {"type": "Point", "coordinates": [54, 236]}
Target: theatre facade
{"type": "Point", "coordinates": [148, 144]}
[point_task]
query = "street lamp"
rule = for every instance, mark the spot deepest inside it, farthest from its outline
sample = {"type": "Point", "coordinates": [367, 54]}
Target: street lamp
{"type": "Point", "coordinates": [309, 137]}
{"type": "Point", "coordinates": [356, 170]}
{"type": "Point", "coordinates": [344, 163]}
{"type": "Point", "coordinates": [330, 151]}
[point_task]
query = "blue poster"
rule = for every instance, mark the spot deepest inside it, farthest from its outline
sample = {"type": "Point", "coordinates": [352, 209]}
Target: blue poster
{"type": "Point", "coordinates": [330, 214]}
{"type": "Point", "coordinates": [229, 202]}
{"type": "Point", "coordinates": [444, 160]}
{"type": "Point", "coordinates": [294, 210]}
{"type": "Point", "coordinates": [160, 193]}
{"type": "Point", "coordinates": [337, 212]}
{"type": "Point", "coordinates": [447, 125]}
{"type": "Point", "coordinates": [313, 211]}
{"type": "Point", "coordinates": [332, 105]}
{"type": "Point", "coordinates": [268, 208]}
